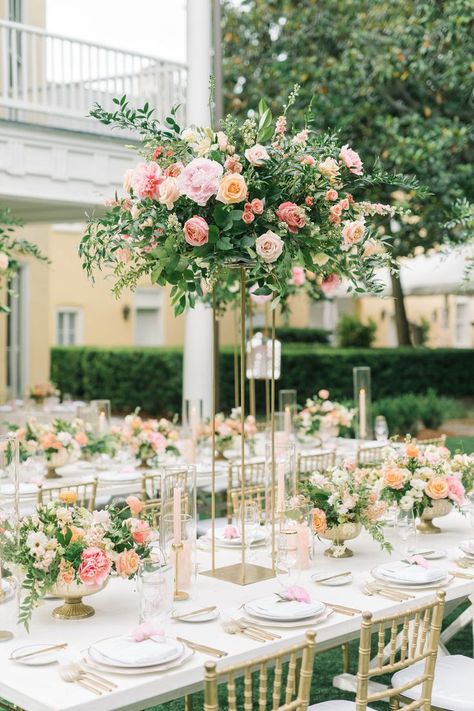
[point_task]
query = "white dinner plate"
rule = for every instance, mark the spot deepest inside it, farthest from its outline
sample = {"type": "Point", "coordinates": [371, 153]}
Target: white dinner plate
{"type": "Point", "coordinates": [332, 582]}
{"type": "Point", "coordinates": [308, 622]}
{"type": "Point", "coordinates": [119, 476]}
{"type": "Point", "coordinates": [187, 654]}
{"type": "Point", "coordinates": [268, 608]}
{"type": "Point", "coordinates": [258, 539]}
{"type": "Point", "coordinates": [170, 650]}
{"type": "Point", "coordinates": [38, 661]}
{"type": "Point", "coordinates": [407, 588]}
{"type": "Point", "coordinates": [465, 549]}
{"type": "Point", "coordinates": [382, 572]}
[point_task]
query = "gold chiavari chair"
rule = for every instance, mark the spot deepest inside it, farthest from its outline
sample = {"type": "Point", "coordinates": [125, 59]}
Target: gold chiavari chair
{"type": "Point", "coordinates": [254, 473]}
{"type": "Point", "coordinates": [368, 456]}
{"type": "Point", "coordinates": [318, 462]}
{"type": "Point", "coordinates": [81, 493]}
{"type": "Point", "coordinates": [402, 641]}
{"type": "Point", "coordinates": [252, 493]}
{"type": "Point", "coordinates": [294, 692]}
{"type": "Point", "coordinates": [434, 441]}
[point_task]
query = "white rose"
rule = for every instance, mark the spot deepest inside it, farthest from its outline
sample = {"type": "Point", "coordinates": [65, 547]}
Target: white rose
{"type": "Point", "coordinates": [406, 502]}
{"type": "Point", "coordinates": [257, 155]}
{"type": "Point", "coordinates": [203, 147]}
{"type": "Point", "coordinates": [189, 135]}
{"type": "Point", "coordinates": [169, 192]}
{"type": "Point", "coordinates": [320, 259]}
{"type": "Point", "coordinates": [64, 437]}
{"type": "Point", "coordinates": [269, 246]}
{"type": "Point", "coordinates": [418, 484]}
{"type": "Point", "coordinates": [4, 261]}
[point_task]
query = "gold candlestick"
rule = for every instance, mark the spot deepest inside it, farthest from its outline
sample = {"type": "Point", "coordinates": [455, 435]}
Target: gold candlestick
{"type": "Point", "coordinates": [178, 594]}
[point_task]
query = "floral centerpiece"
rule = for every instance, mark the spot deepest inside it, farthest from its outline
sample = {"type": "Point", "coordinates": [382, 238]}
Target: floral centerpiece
{"type": "Point", "coordinates": [70, 552]}
{"type": "Point", "coordinates": [427, 480]}
{"type": "Point", "coordinates": [261, 194]}
{"type": "Point", "coordinates": [342, 504]}
{"type": "Point", "coordinates": [147, 439]}
{"type": "Point", "coordinates": [58, 441]}
{"type": "Point", "coordinates": [227, 429]}
{"type": "Point", "coordinates": [41, 391]}
{"type": "Point", "coordinates": [322, 415]}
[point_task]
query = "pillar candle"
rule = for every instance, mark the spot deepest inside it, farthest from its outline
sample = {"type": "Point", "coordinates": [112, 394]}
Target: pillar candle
{"type": "Point", "coordinates": [362, 414]}
{"type": "Point", "coordinates": [177, 514]}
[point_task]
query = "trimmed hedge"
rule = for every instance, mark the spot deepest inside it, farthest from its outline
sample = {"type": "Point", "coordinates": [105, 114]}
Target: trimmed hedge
{"type": "Point", "coordinates": [152, 377]}
{"type": "Point", "coordinates": [303, 335]}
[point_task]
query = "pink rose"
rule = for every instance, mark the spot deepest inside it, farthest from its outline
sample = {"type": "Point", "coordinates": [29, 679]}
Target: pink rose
{"type": "Point", "coordinates": [248, 217]}
{"type": "Point", "coordinates": [259, 298]}
{"type": "Point", "coordinates": [297, 593]}
{"type": "Point", "coordinates": [269, 246]}
{"type": "Point", "coordinates": [173, 170]}
{"type": "Point", "coordinates": [94, 568]}
{"type": "Point", "coordinates": [147, 630]}
{"type": "Point", "coordinates": [134, 504]}
{"type": "Point", "coordinates": [196, 231]}
{"type": "Point", "coordinates": [257, 206]}
{"type": "Point", "coordinates": [199, 180]}
{"type": "Point", "coordinates": [308, 160]}
{"type": "Point", "coordinates": [169, 192]}
{"type": "Point", "coordinates": [330, 283]}
{"type": "Point", "coordinates": [335, 212]}
{"type": "Point", "coordinates": [292, 215]}
{"type": "Point", "coordinates": [123, 255]}
{"type": "Point", "coordinates": [230, 532]}
{"type": "Point", "coordinates": [127, 563]}
{"type": "Point", "coordinates": [157, 441]}
{"type": "Point", "coordinates": [257, 155]}
{"type": "Point", "coordinates": [352, 233]}
{"type": "Point", "coordinates": [141, 531]}
{"type": "Point", "coordinates": [233, 165]}
{"type": "Point", "coordinates": [323, 394]}
{"type": "Point", "coordinates": [146, 180]}
{"type": "Point", "coordinates": [298, 276]}
{"type": "Point", "coordinates": [331, 195]}
{"type": "Point", "coordinates": [456, 490]}
{"type": "Point", "coordinates": [351, 160]}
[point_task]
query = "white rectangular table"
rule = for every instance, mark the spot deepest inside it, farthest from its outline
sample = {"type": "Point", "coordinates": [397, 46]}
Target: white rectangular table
{"type": "Point", "coordinates": [41, 688]}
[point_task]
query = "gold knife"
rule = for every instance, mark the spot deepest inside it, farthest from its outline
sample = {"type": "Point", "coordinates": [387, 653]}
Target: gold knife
{"type": "Point", "coordinates": [202, 648]}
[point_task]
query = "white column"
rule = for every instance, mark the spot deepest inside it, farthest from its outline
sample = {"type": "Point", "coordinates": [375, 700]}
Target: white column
{"type": "Point", "coordinates": [198, 344]}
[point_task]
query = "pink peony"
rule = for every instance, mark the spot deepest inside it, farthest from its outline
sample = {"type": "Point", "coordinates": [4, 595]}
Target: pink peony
{"type": "Point", "coordinates": [230, 532]}
{"type": "Point", "coordinates": [95, 567]}
{"type": "Point", "coordinates": [352, 233]}
{"type": "Point", "coordinates": [146, 180]}
{"type": "Point", "coordinates": [330, 283]}
{"type": "Point", "coordinates": [196, 231]}
{"type": "Point", "coordinates": [298, 276]}
{"type": "Point", "coordinates": [292, 215]}
{"type": "Point", "coordinates": [157, 441]}
{"type": "Point", "coordinates": [297, 593]}
{"type": "Point", "coordinates": [456, 490]}
{"type": "Point", "coordinates": [351, 160]}
{"type": "Point", "coordinates": [134, 504]}
{"type": "Point", "coordinates": [199, 180]}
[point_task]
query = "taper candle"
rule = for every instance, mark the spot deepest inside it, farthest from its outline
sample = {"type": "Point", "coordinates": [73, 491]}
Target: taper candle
{"type": "Point", "coordinates": [362, 414]}
{"type": "Point", "coordinates": [280, 487]}
{"type": "Point", "coordinates": [177, 515]}
{"type": "Point", "coordinates": [287, 420]}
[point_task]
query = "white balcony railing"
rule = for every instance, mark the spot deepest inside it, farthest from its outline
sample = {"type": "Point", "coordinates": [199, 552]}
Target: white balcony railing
{"type": "Point", "coordinates": [49, 79]}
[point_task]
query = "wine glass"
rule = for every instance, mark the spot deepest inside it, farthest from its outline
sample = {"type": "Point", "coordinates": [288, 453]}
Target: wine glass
{"type": "Point", "coordinates": [406, 529]}
{"type": "Point", "coordinates": [248, 518]}
{"type": "Point", "coordinates": [381, 429]}
{"type": "Point", "coordinates": [287, 558]}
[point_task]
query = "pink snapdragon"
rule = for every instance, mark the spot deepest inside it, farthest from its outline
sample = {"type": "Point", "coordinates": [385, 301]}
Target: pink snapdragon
{"type": "Point", "coordinates": [199, 180]}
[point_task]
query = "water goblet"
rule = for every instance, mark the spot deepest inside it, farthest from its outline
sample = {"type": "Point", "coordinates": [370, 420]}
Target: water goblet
{"type": "Point", "coordinates": [248, 519]}
{"type": "Point", "coordinates": [381, 429]}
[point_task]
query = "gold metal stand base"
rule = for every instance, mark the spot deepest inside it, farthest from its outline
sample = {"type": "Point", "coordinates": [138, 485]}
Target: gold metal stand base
{"type": "Point", "coordinates": [425, 526]}
{"type": "Point", "coordinates": [338, 552]}
{"type": "Point", "coordinates": [181, 595]}
{"type": "Point", "coordinates": [73, 609]}
{"type": "Point", "coordinates": [241, 574]}
{"type": "Point", "coordinates": [5, 635]}
{"type": "Point", "coordinates": [52, 474]}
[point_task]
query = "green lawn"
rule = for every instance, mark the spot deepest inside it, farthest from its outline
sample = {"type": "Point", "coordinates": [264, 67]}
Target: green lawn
{"type": "Point", "coordinates": [329, 664]}
{"type": "Point", "coordinates": [464, 444]}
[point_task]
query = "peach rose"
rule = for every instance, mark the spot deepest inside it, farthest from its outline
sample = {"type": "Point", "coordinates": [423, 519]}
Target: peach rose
{"type": "Point", "coordinates": [323, 394]}
{"type": "Point", "coordinates": [393, 478]}
{"type": "Point", "coordinates": [232, 189]}
{"type": "Point", "coordinates": [257, 155]}
{"type": "Point", "coordinates": [412, 451]}
{"type": "Point", "coordinates": [81, 438]}
{"type": "Point", "coordinates": [196, 231]}
{"type": "Point", "coordinates": [141, 532]}
{"type": "Point", "coordinates": [169, 192]}
{"type": "Point", "coordinates": [127, 563]}
{"type": "Point", "coordinates": [352, 233]}
{"type": "Point", "coordinates": [95, 567]}
{"type": "Point", "coordinates": [77, 533]}
{"type": "Point", "coordinates": [437, 488]}
{"type": "Point", "coordinates": [68, 497]}
{"type": "Point", "coordinates": [134, 504]}
{"type": "Point", "coordinates": [269, 246]}
{"type": "Point", "coordinates": [318, 520]}
{"type": "Point", "coordinates": [372, 247]}
{"type": "Point", "coordinates": [173, 170]}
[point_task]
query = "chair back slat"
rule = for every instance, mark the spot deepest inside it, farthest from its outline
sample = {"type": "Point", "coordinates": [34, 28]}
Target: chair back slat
{"type": "Point", "coordinates": [432, 441]}
{"type": "Point", "coordinates": [368, 456]}
{"type": "Point", "coordinates": [318, 462]}
{"type": "Point", "coordinates": [85, 492]}
{"type": "Point", "coordinates": [254, 476]}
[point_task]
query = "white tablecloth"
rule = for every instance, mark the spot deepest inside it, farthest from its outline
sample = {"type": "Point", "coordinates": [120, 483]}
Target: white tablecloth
{"type": "Point", "coordinates": [41, 689]}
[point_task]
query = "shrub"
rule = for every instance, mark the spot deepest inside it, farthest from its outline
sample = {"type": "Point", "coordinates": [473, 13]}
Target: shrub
{"type": "Point", "coordinates": [303, 335]}
{"type": "Point", "coordinates": [434, 410]}
{"type": "Point", "coordinates": [402, 413]}
{"type": "Point", "coordinates": [352, 333]}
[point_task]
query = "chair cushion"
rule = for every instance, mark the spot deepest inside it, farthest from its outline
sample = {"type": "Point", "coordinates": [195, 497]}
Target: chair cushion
{"type": "Point", "coordinates": [335, 706]}
{"type": "Point", "coordinates": [453, 686]}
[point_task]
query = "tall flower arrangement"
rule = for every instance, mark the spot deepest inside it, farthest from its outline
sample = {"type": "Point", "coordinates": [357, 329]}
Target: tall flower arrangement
{"type": "Point", "coordinates": [321, 413]}
{"type": "Point", "coordinates": [261, 193]}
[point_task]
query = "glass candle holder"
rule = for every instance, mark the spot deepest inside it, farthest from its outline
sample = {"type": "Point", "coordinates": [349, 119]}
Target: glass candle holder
{"type": "Point", "coordinates": [179, 513]}
{"type": "Point", "coordinates": [155, 590]}
{"type": "Point", "coordinates": [285, 480]}
{"type": "Point", "coordinates": [362, 402]}
{"type": "Point", "coordinates": [178, 535]}
{"type": "Point", "coordinates": [100, 416]}
{"type": "Point", "coordinates": [259, 358]}
{"type": "Point", "coordinates": [192, 418]}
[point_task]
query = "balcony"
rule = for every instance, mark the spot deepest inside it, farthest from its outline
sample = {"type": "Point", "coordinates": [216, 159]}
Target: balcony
{"type": "Point", "coordinates": [55, 161]}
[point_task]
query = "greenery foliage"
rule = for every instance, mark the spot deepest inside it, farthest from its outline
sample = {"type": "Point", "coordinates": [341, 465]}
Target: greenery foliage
{"type": "Point", "coordinates": [287, 334]}
{"type": "Point", "coordinates": [352, 333]}
{"type": "Point", "coordinates": [152, 377]}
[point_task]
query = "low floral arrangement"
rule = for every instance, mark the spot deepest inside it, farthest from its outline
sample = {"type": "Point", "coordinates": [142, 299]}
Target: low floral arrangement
{"type": "Point", "coordinates": [65, 544]}
{"type": "Point", "coordinates": [261, 194]}
{"type": "Point", "coordinates": [59, 441]}
{"type": "Point", "coordinates": [228, 428]}
{"type": "Point", "coordinates": [420, 476]}
{"type": "Point", "coordinates": [339, 497]}
{"type": "Point", "coordinates": [148, 438]}
{"type": "Point", "coordinates": [41, 391]}
{"type": "Point", "coordinates": [320, 413]}
{"type": "Point", "coordinates": [94, 445]}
